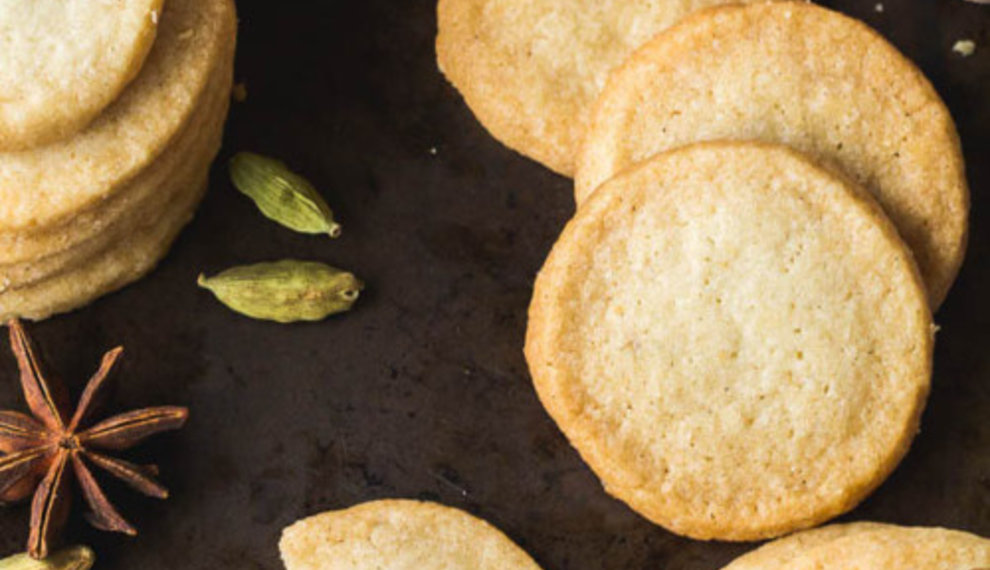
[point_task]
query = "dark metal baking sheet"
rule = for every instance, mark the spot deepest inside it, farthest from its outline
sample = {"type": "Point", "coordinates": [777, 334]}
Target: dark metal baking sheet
{"type": "Point", "coordinates": [422, 391]}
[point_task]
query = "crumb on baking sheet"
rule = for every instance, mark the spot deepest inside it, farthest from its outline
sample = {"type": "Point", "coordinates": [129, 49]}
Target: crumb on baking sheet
{"type": "Point", "coordinates": [239, 92]}
{"type": "Point", "coordinates": [964, 48]}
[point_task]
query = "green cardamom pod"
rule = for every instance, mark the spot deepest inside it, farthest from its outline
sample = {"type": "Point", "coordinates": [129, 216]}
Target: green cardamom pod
{"type": "Point", "coordinates": [74, 558]}
{"type": "Point", "coordinates": [282, 195]}
{"type": "Point", "coordinates": [285, 291]}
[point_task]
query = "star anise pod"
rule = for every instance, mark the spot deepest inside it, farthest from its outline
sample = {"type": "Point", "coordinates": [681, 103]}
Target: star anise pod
{"type": "Point", "coordinates": [40, 451]}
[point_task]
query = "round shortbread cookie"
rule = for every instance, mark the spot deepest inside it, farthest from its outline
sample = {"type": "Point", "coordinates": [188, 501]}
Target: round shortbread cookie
{"type": "Point", "coordinates": [120, 264]}
{"type": "Point", "coordinates": [137, 231]}
{"type": "Point", "coordinates": [531, 69]}
{"type": "Point", "coordinates": [154, 201]}
{"type": "Point", "coordinates": [39, 254]}
{"type": "Point", "coordinates": [64, 61]}
{"type": "Point", "coordinates": [899, 547]}
{"type": "Point", "coordinates": [47, 186]}
{"type": "Point", "coordinates": [735, 340]}
{"type": "Point", "coordinates": [782, 552]}
{"type": "Point", "coordinates": [884, 547]}
{"type": "Point", "coordinates": [399, 535]}
{"type": "Point", "coordinates": [808, 77]}
{"type": "Point", "coordinates": [146, 238]}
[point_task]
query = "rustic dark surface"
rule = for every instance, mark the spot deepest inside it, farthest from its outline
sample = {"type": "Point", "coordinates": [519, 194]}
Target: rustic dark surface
{"type": "Point", "coordinates": [422, 391]}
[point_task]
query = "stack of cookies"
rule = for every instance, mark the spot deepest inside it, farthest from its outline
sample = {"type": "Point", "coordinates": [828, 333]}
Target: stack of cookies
{"type": "Point", "coordinates": [110, 115]}
{"type": "Point", "coordinates": [735, 329]}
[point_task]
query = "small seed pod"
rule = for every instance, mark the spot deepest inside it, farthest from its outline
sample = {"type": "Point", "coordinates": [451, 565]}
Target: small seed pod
{"type": "Point", "coordinates": [74, 558]}
{"type": "Point", "coordinates": [282, 195]}
{"type": "Point", "coordinates": [285, 291]}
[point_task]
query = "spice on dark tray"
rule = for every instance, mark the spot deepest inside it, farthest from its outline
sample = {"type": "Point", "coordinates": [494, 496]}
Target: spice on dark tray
{"type": "Point", "coordinates": [40, 451]}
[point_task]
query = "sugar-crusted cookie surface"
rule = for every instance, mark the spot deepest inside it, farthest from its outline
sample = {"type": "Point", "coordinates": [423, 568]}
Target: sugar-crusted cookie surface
{"type": "Point", "coordinates": [802, 75]}
{"type": "Point", "coordinates": [399, 535]}
{"type": "Point", "coordinates": [47, 186]}
{"type": "Point", "coordinates": [736, 341]}
{"type": "Point", "coordinates": [893, 547]}
{"type": "Point", "coordinates": [782, 552]}
{"type": "Point", "coordinates": [105, 248]}
{"type": "Point", "coordinates": [64, 61]}
{"type": "Point", "coordinates": [531, 69]}
{"type": "Point", "coordinates": [875, 547]}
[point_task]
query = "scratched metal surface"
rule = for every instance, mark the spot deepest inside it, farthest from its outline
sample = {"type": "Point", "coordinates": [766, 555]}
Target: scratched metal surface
{"type": "Point", "coordinates": [422, 391]}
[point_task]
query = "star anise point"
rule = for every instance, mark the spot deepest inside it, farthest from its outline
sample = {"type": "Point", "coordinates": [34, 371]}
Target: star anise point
{"type": "Point", "coordinates": [38, 450]}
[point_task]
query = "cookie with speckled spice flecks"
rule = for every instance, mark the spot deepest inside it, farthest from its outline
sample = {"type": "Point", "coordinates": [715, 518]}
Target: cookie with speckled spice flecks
{"type": "Point", "coordinates": [148, 173]}
{"type": "Point", "coordinates": [802, 75]}
{"type": "Point", "coordinates": [781, 552]}
{"type": "Point", "coordinates": [64, 61]}
{"type": "Point", "coordinates": [399, 535]}
{"type": "Point", "coordinates": [735, 339]}
{"type": "Point", "coordinates": [868, 546]}
{"type": "Point", "coordinates": [530, 70]}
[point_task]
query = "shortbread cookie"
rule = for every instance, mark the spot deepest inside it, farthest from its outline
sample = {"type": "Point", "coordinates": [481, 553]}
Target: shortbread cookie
{"type": "Point", "coordinates": [61, 245]}
{"type": "Point", "coordinates": [119, 264]}
{"type": "Point", "coordinates": [782, 552]}
{"type": "Point", "coordinates": [64, 61]}
{"type": "Point", "coordinates": [134, 232]}
{"type": "Point", "coordinates": [117, 243]}
{"type": "Point", "coordinates": [531, 69]}
{"type": "Point", "coordinates": [735, 339]}
{"type": "Point", "coordinates": [399, 535]}
{"type": "Point", "coordinates": [46, 186]}
{"type": "Point", "coordinates": [878, 547]}
{"type": "Point", "coordinates": [802, 75]}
